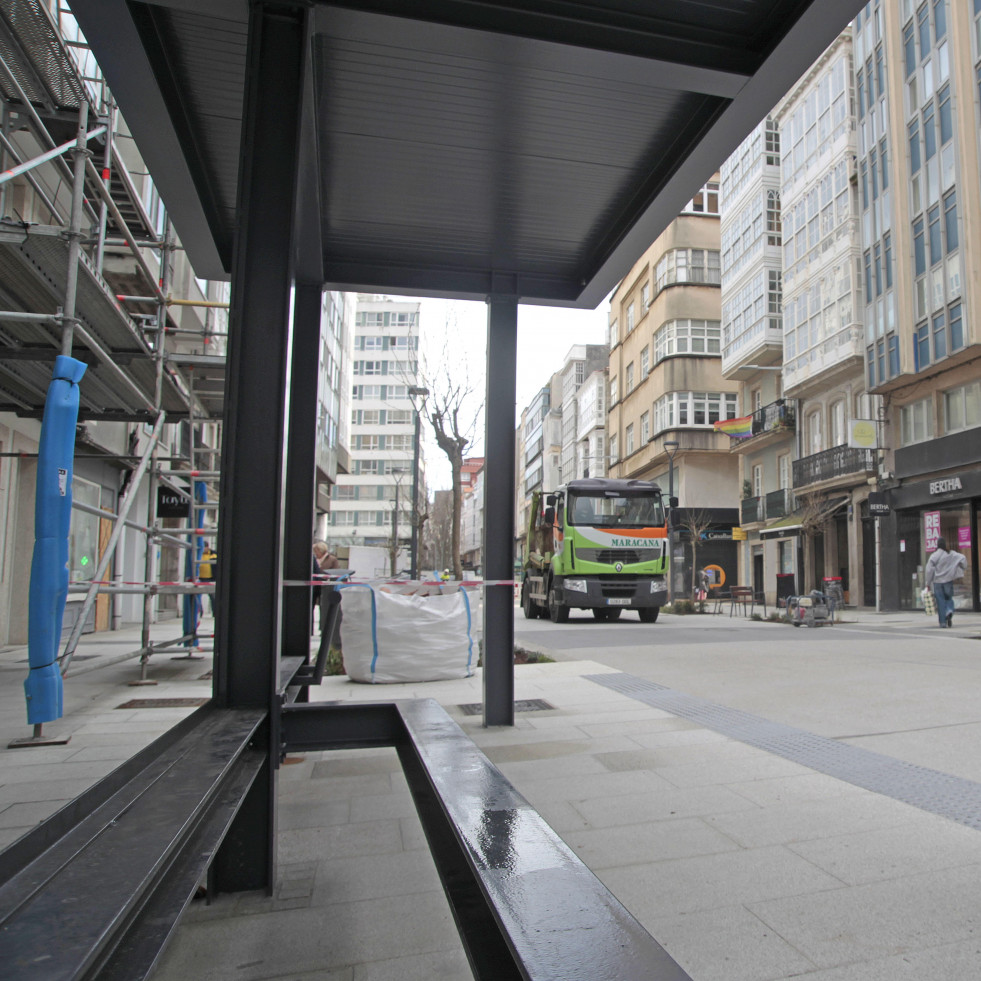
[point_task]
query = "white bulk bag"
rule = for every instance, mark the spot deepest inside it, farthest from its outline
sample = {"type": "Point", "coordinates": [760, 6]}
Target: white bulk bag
{"type": "Point", "coordinates": [403, 632]}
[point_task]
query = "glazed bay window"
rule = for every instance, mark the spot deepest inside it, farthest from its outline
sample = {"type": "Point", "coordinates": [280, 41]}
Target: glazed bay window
{"type": "Point", "coordinates": [693, 409]}
{"type": "Point", "coordinates": [915, 422]}
{"type": "Point", "coordinates": [962, 407]}
{"type": "Point", "coordinates": [687, 266]}
{"type": "Point", "coordinates": [687, 337]}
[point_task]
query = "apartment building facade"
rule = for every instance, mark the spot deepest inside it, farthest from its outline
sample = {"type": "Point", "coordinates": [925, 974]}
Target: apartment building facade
{"type": "Point", "coordinates": [919, 124]}
{"type": "Point", "coordinates": [752, 355]}
{"type": "Point", "coordinates": [823, 322]}
{"type": "Point", "coordinates": [372, 504]}
{"type": "Point", "coordinates": [666, 387]}
{"type": "Point", "coordinates": [580, 363]}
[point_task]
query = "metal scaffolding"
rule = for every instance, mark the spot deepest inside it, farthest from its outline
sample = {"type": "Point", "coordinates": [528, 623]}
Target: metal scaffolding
{"type": "Point", "coordinates": [78, 246]}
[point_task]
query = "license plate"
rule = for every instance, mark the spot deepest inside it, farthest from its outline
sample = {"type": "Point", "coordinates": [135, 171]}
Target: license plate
{"type": "Point", "coordinates": [618, 602]}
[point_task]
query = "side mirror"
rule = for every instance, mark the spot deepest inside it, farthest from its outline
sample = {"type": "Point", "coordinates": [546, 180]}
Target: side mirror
{"type": "Point", "coordinates": [672, 502]}
{"type": "Point", "coordinates": [549, 516]}
{"type": "Point", "coordinates": [550, 500]}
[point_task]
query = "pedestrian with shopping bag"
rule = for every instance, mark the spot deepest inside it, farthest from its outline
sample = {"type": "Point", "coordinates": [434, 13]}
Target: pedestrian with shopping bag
{"type": "Point", "coordinates": [942, 568]}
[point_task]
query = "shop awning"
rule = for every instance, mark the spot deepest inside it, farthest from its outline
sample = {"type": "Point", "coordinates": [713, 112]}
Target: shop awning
{"type": "Point", "coordinates": [792, 524]}
{"type": "Point", "coordinates": [783, 527]}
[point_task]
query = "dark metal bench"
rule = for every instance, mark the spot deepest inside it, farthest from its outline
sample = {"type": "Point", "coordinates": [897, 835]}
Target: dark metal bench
{"type": "Point", "coordinates": [95, 891]}
{"type": "Point", "coordinates": [525, 905]}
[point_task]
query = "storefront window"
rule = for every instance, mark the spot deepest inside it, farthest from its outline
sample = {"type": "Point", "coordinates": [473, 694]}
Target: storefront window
{"type": "Point", "coordinates": [83, 548]}
{"type": "Point", "coordinates": [954, 525]}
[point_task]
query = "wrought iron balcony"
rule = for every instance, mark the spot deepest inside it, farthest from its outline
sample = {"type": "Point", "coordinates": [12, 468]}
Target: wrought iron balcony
{"type": "Point", "coordinates": [775, 504]}
{"type": "Point", "coordinates": [839, 461]}
{"type": "Point", "coordinates": [778, 416]}
{"type": "Point", "coordinates": [750, 510]}
{"type": "Point", "coordinates": [779, 503]}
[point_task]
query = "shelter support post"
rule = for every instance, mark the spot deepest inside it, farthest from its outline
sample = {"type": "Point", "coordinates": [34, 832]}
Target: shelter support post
{"type": "Point", "coordinates": [301, 441]}
{"type": "Point", "coordinates": [502, 346]}
{"type": "Point", "coordinates": [249, 581]}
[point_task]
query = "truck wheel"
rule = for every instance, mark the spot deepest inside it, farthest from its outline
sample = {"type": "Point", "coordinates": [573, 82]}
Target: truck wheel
{"type": "Point", "coordinates": [528, 605]}
{"type": "Point", "coordinates": [557, 612]}
{"type": "Point", "coordinates": [649, 614]}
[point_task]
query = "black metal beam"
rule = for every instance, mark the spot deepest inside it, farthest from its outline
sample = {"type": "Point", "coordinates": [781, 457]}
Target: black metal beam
{"type": "Point", "coordinates": [502, 341]}
{"type": "Point", "coordinates": [644, 32]}
{"type": "Point", "coordinates": [301, 475]}
{"type": "Point", "coordinates": [248, 599]}
{"type": "Point", "coordinates": [307, 728]}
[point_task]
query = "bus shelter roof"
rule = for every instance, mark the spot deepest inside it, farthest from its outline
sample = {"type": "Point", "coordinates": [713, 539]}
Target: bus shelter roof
{"type": "Point", "coordinates": [461, 148]}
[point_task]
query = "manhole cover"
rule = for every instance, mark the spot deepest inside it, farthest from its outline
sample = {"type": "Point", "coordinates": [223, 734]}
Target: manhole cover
{"type": "Point", "coordinates": [162, 703]}
{"type": "Point", "coordinates": [522, 705]}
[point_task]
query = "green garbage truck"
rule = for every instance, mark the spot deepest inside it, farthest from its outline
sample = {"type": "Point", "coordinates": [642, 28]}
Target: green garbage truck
{"type": "Point", "coordinates": [596, 544]}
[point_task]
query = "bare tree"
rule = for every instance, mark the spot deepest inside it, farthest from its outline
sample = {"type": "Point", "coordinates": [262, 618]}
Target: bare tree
{"type": "Point", "coordinates": [454, 411]}
{"type": "Point", "coordinates": [695, 522]}
{"type": "Point", "coordinates": [440, 527]}
{"type": "Point", "coordinates": [814, 513]}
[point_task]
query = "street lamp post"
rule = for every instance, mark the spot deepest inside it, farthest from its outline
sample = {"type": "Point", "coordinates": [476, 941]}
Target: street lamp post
{"type": "Point", "coordinates": [395, 531]}
{"type": "Point", "coordinates": [415, 390]}
{"type": "Point", "coordinates": [671, 448]}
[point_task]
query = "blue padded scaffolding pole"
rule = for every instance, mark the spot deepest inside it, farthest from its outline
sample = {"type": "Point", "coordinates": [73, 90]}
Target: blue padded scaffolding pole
{"type": "Point", "coordinates": [52, 522]}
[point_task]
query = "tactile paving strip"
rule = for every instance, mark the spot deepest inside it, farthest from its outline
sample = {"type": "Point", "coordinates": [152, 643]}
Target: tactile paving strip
{"type": "Point", "coordinates": [930, 790]}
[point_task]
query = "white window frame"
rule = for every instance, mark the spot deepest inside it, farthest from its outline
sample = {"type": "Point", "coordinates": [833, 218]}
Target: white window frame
{"type": "Point", "coordinates": [915, 422]}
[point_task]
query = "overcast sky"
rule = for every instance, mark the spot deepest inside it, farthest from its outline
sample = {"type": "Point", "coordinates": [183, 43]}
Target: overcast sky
{"type": "Point", "coordinates": [545, 335]}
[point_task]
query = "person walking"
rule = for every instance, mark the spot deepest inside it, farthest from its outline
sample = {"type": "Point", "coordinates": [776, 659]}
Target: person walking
{"type": "Point", "coordinates": [942, 568]}
{"type": "Point", "coordinates": [206, 572]}
{"type": "Point", "coordinates": [323, 561]}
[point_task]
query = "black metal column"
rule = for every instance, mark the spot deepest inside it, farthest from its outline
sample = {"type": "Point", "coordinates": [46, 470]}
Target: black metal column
{"type": "Point", "coordinates": [502, 341]}
{"type": "Point", "coordinates": [247, 641]}
{"type": "Point", "coordinates": [301, 467]}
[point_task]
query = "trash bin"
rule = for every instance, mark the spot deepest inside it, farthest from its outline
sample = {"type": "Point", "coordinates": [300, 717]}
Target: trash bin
{"type": "Point", "coordinates": [785, 588]}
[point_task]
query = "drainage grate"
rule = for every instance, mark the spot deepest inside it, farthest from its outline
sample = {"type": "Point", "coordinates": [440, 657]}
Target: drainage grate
{"type": "Point", "coordinates": [930, 790]}
{"type": "Point", "coordinates": [522, 705]}
{"type": "Point", "coordinates": [162, 703]}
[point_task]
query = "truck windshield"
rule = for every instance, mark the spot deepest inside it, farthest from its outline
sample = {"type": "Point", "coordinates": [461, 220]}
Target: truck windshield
{"type": "Point", "coordinates": [634, 510]}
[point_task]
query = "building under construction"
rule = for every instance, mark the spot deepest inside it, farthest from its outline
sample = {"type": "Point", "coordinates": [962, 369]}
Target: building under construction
{"type": "Point", "coordinates": [91, 266]}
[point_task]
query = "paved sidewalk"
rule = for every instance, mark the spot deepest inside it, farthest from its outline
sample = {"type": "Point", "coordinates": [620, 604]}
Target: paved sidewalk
{"type": "Point", "coordinates": [744, 862]}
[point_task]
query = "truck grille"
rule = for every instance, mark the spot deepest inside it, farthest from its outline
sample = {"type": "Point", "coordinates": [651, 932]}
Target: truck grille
{"type": "Point", "coordinates": [610, 556]}
{"type": "Point", "coordinates": [618, 587]}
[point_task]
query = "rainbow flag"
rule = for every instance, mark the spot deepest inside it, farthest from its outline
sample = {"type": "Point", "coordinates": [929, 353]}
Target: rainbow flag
{"type": "Point", "coordinates": [736, 428]}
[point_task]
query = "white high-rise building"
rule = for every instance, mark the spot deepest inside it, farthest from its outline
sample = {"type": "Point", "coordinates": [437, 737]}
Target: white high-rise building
{"type": "Point", "coordinates": [373, 503]}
